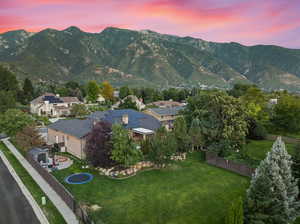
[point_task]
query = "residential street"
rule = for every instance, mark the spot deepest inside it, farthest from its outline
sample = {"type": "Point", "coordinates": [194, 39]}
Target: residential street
{"type": "Point", "coordinates": [15, 209]}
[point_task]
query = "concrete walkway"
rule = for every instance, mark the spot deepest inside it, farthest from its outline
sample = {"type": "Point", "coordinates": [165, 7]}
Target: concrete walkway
{"type": "Point", "coordinates": [61, 206]}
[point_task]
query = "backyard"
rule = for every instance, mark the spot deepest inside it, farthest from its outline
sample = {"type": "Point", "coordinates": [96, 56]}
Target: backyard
{"type": "Point", "coordinates": [257, 150]}
{"type": "Point", "coordinates": [186, 192]}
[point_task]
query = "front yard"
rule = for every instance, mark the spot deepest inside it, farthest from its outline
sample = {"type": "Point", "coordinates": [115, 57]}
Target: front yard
{"type": "Point", "coordinates": [187, 192]}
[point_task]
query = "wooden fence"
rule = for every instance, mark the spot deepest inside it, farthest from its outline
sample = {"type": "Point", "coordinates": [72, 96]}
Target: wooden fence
{"type": "Point", "coordinates": [65, 195]}
{"type": "Point", "coordinates": [213, 159]}
{"type": "Point", "coordinates": [284, 138]}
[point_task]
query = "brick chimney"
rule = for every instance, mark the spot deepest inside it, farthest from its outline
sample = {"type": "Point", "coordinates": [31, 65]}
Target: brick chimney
{"type": "Point", "coordinates": [125, 119]}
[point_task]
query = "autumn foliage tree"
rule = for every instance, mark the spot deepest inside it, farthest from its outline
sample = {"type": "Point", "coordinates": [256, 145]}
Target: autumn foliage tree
{"type": "Point", "coordinates": [98, 145]}
{"type": "Point", "coordinates": [107, 91]}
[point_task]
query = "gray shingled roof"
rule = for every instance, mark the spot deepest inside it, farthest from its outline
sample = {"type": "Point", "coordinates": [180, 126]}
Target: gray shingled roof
{"type": "Point", "coordinates": [80, 128]}
{"type": "Point", "coordinates": [74, 127]}
{"type": "Point", "coordinates": [167, 111]}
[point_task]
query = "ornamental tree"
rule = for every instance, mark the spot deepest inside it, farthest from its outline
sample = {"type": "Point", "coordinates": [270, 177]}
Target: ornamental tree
{"type": "Point", "coordinates": [98, 145]}
{"type": "Point", "coordinates": [124, 149]}
{"type": "Point", "coordinates": [273, 194]}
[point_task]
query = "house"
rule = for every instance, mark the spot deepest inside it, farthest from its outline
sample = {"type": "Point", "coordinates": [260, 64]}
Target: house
{"type": "Point", "coordinates": [100, 99]}
{"type": "Point", "coordinates": [71, 135]}
{"type": "Point", "coordinates": [52, 105]}
{"type": "Point", "coordinates": [138, 102]}
{"type": "Point", "coordinates": [166, 115]}
{"type": "Point", "coordinates": [166, 103]}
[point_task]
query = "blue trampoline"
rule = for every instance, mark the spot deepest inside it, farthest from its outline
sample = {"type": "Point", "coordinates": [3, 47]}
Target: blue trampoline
{"type": "Point", "coordinates": [79, 178]}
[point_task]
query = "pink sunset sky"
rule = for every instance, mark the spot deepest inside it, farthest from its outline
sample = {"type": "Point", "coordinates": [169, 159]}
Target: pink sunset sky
{"type": "Point", "coordinates": [246, 21]}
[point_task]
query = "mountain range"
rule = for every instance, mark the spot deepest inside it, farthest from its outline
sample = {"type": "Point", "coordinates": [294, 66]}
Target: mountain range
{"type": "Point", "coordinates": [146, 58]}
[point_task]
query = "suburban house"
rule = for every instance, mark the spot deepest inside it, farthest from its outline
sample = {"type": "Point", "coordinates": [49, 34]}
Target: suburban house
{"type": "Point", "coordinates": [166, 103]}
{"type": "Point", "coordinates": [52, 105]}
{"type": "Point", "coordinates": [166, 115]}
{"type": "Point", "coordinates": [71, 135]}
{"type": "Point", "coordinates": [138, 102]}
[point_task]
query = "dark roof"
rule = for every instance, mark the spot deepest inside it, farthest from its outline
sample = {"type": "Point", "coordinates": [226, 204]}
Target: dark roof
{"type": "Point", "coordinates": [135, 119]}
{"type": "Point", "coordinates": [74, 127]}
{"type": "Point", "coordinates": [167, 111]}
{"type": "Point", "coordinates": [80, 128]}
{"type": "Point", "coordinates": [52, 99]}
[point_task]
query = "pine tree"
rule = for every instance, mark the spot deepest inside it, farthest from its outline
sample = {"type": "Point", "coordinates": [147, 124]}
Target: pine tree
{"type": "Point", "coordinates": [235, 213]}
{"type": "Point", "coordinates": [296, 164]}
{"type": "Point", "coordinates": [28, 90]}
{"type": "Point", "coordinates": [272, 196]}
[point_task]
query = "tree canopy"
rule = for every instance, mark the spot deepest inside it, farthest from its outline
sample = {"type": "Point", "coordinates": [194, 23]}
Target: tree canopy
{"type": "Point", "coordinates": [93, 91]}
{"type": "Point", "coordinates": [222, 119]}
{"type": "Point", "coordinates": [124, 149]}
{"type": "Point", "coordinates": [98, 145]}
{"type": "Point", "coordinates": [13, 121]}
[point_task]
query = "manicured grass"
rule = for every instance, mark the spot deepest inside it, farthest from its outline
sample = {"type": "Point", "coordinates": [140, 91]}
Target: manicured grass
{"type": "Point", "coordinates": [186, 192]}
{"type": "Point", "coordinates": [257, 150]}
{"type": "Point", "coordinates": [52, 214]}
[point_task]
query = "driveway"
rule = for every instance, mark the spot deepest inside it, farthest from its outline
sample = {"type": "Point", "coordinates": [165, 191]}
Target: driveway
{"type": "Point", "coordinates": [15, 208]}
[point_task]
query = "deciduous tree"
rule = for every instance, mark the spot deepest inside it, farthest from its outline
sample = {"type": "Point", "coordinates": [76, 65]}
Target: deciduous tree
{"type": "Point", "coordinates": [222, 121]}
{"type": "Point", "coordinates": [162, 147]}
{"type": "Point", "coordinates": [29, 138]}
{"type": "Point", "coordinates": [7, 101]}
{"type": "Point", "coordinates": [98, 145]}
{"type": "Point", "coordinates": [79, 110]}
{"type": "Point", "coordinates": [124, 149]}
{"type": "Point", "coordinates": [14, 120]}
{"type": "Point", "coordinates": [107, 91]}
{"type": "Point", "coordinates": [93, 91]}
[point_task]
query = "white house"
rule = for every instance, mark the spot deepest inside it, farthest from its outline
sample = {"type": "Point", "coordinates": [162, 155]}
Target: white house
{"type": "Point", "coordinates": [52, 105]}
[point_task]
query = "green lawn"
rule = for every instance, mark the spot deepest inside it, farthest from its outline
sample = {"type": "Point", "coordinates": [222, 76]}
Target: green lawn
{"type": "Point", "coordinates": [187, 192]}
{"type": "Point", "coordinates": [52, 214]}
{"type": "Point", "coordinates": [257, 150]}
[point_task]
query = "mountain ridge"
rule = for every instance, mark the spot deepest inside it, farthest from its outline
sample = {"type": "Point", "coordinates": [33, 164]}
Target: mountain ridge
{"type": "Point", "coordinates": [147, 58]}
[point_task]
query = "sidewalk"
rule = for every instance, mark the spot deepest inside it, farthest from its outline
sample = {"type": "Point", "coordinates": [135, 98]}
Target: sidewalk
{"type": "Point", "coordinates": [35, 207]}
{"type": "Point", "coordinates": [61, 206]}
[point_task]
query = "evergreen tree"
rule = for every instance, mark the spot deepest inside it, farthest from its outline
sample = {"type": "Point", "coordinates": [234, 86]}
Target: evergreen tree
{"type": "Point", "coordinates": [28, 91]}
{"type": "Point", "coordinates": [195, 134]}
{"type": "Point", "coordinates": [125, 91]}
{"type": "Point", "coordinates": [7, 101]}
{"type": "Point", "coordinates": [273, 194]}
{"type": "Point", "coordinates": [181, 134]}
{"type": "Point", "coordinates": [235, 214]}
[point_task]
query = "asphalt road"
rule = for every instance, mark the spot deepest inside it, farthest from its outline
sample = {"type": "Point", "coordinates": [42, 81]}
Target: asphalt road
{"type": "Point", "coordinates": [14, 207]}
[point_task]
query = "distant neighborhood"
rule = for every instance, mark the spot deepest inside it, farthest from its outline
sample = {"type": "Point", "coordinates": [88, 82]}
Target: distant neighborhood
{"type": "Point", "coordinates": [90, 149]}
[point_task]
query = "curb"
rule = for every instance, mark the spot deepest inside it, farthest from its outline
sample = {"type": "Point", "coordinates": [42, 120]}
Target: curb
{"type": "Point", "coordinates": [36, 208]}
